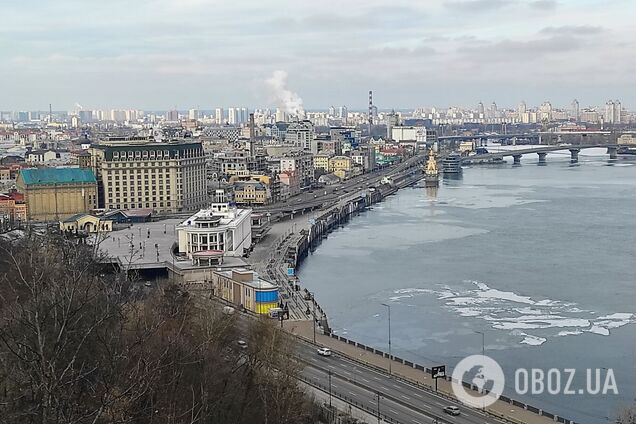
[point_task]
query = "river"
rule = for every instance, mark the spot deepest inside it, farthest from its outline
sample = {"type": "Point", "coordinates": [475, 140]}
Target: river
{"type": "Point", "coordinates": [538, 258]}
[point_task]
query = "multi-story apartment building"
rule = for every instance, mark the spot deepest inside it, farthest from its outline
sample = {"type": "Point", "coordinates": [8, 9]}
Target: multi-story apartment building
{"type": "Point", "coordinates": [302, 134]}
{"type": "Point", "coordinates": [302, 163]}
{"type": "Point", "coordinates": [139, 172]}
{"type": "Point", "coordinates": [321, 161]}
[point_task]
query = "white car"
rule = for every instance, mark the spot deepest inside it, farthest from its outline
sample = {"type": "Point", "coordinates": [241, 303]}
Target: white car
{"type": "Point", "coordinates": [242, 344]}
{"type": "Point", "coordinates": [324, 351]}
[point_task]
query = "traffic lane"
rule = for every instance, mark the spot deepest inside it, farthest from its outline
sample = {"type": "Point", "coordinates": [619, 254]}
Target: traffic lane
{"type": "Point", "coordinates": [409, 399]}
{"type": "Point", "coordinates": [384, 382]}
{"type": "Point", "coordinates": [406, 392]}
{"type": "Point", "coordinates": [388, 407]}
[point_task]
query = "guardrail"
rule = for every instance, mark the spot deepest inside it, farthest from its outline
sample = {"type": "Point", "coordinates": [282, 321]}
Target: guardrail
{"type": "Point", "coordinates": [427, 370]}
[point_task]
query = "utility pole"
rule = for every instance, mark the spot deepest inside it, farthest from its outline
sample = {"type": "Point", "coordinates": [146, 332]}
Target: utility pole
{"type": "Point", "coordinates": [313, 300]}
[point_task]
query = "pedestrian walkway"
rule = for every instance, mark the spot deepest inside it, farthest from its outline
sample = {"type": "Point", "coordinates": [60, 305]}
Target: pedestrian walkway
{"type": "Point", "coordinates": [500, 409]}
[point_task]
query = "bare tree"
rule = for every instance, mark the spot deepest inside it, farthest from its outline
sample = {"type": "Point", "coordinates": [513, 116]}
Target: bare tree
{"type": "Point", "coordinates": [77, 346]}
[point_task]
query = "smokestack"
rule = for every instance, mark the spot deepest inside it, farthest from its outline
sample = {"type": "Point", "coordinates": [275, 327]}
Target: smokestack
{"type": "Point", "coordinates": [370, 111]}
{"type": "Point", "coordinates": [252, 134]}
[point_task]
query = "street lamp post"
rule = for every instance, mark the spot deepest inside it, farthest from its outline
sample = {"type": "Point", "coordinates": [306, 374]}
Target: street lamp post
{"type": "Point", "coordinates": [390, 354]}
{"type": "Point", "coordinates": [379, 407]}
{"type": "Point", "coordinates": [313, 301]}
{"type": "Point", "coordinates": [330, 392]}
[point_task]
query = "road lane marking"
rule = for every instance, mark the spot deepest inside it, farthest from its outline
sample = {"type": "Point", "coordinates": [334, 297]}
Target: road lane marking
{"type": "Point", "coordinates": [364, 379]}
{"type": "Point", "coordinates": [395, 412]}
{"type": "Point", "coordinates": [406, 397]}
{"type": "Point", "coordinates": [352, 394]}
{"type": "Point", "coordinates": [419, 396]}
{"type": "Point", "coordinates": [377, 378]}
{"type": "Point", "coordinates": [384, 388]}
{"type": "Point", "coordinates": [416, 421]}
{"type": "Point", "coordinates": [426, 406]}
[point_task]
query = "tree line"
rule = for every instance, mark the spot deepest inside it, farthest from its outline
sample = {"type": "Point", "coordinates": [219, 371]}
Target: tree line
{"type": "Point", "coordinates": [79, 344]}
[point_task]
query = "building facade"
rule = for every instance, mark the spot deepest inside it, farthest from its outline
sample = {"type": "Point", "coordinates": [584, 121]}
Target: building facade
{"type": "Point", "coordinates": [141, 173]}
{"type": "Point", "coordinates": [219, 228]}
{"type": "Point", "coordinates": [244, 288]}
{"type": "Point", "coordinates": [57, 193]}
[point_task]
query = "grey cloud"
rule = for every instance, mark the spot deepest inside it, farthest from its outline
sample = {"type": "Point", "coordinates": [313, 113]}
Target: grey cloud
{"type": "Point", "coordinates": [544, 4]}
{"type": "Point", "coordinates": [476, 5]}
{"type": "Point", "coordinates": [573, 30]}
{"type": "Point", "coordinates": [509, 50]}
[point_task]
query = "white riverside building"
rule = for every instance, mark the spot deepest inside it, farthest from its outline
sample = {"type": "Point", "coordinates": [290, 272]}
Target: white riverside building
{"type": "Point", "coordinates": [220, 228]}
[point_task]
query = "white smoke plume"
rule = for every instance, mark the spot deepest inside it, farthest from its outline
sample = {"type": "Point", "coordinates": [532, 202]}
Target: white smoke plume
{"type": "Point", "coordinates": [284, 98]}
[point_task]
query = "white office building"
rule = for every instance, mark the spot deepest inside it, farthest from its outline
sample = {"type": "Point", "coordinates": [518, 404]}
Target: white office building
{"type": "Point", "coordinates": [220, 228]}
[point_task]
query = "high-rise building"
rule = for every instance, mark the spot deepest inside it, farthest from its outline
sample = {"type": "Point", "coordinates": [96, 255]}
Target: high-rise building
{"type": "Point", "coordinates": [522, 108]}
{"type": "Point", "coordinates": [613, 112]}
{"type": "Point", "coordinates": [576, 110]}
{"type": "Point", "coordinates": [302, 134]}
{"type": "Point", "coordinates": [332, 111]}
{"type": "Point", "coordinates": [172, 116]}
{"type": "Point", "coordinates": [232, 117]}
{"type": "Point", "coordinates": [138, 172]}
{"type": "Point", "coordinates": [244, 115]}
{"type": "Point", "coordinates": [343, 114]}
{"type": "Point", "coordinates": [481, 110]}
{"type": "Point", "coordinates": [219, 116]}
{"type": "Point", "coordinates": [193, 114]}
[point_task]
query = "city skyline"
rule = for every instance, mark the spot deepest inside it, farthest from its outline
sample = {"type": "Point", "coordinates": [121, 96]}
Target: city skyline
{"type": "Point", "coordinates": [155, 55]}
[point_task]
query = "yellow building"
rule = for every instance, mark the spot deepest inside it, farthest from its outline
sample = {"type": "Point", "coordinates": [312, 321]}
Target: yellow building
{"type": "Point", "coordinates": [339, 163]}
{"type": "Point", "coordinates": [322, 162]}
{"type": "Point", "coordinates": [87, 223]}
{"type": "Point", "coordinates": [250, 193]}
{"type": "Point", "coordinates": [245, 288]}
{"type": "Point", "coordinates": [57, 193]}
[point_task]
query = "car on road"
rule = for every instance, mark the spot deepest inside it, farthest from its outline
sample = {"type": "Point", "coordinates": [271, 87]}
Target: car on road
{"type": "Point", "coordinates": [452, 410]}
{"type": "Point", "coordinates": [242, 344]}
{"type": "Point", "coordinates": [324, 351]}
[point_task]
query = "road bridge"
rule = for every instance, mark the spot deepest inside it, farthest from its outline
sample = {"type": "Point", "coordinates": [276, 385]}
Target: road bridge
{"type": "Point", "coordinates": [542, 152]}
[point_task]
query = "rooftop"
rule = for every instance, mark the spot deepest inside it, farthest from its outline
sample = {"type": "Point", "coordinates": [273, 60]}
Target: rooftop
{"type": "Point", "coordinates": [33, 176]}
{"type": "Point", "coordinates": [255, 282]}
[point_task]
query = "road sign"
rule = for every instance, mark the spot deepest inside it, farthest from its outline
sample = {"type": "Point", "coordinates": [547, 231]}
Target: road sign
{"type": "Point", "coordinates": [290, 272]}
{"type": "Point", "coordinates": [439, 371]}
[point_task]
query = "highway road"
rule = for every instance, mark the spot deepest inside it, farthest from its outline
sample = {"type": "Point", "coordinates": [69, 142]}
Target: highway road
{"type": "Point", "coordinates": [399, 400]}
{"type": "Point", "coordinates": [331, 194]}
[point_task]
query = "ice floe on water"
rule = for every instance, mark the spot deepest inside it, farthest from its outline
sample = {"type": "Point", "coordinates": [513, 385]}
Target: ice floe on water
{"type": "Point", "coordinates": [521, 315]}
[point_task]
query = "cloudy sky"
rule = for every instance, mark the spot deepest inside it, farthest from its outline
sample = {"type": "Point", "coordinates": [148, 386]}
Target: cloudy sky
{"type": "Point", "coordinates": [158, 54]}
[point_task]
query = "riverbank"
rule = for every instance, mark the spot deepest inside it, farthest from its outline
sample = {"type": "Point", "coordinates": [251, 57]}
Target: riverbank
{"type": "Point", "coordinates": [317, 226]}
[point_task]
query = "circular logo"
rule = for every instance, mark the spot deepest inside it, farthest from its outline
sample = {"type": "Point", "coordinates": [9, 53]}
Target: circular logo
{"type": "Point", "coordinates": [486, 379]}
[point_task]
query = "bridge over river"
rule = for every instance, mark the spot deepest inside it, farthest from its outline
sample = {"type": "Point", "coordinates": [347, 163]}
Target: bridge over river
{"type": "Point", "coordinates": [542, 151]}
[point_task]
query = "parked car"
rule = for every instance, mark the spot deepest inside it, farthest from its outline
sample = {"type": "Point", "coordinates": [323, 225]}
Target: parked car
{"type": "Point", "coordinates": [452, 410]}
{"type": "Point", "coordinates": [324, 351]}
{"type": "Point", "coordinates": [242, 344]}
